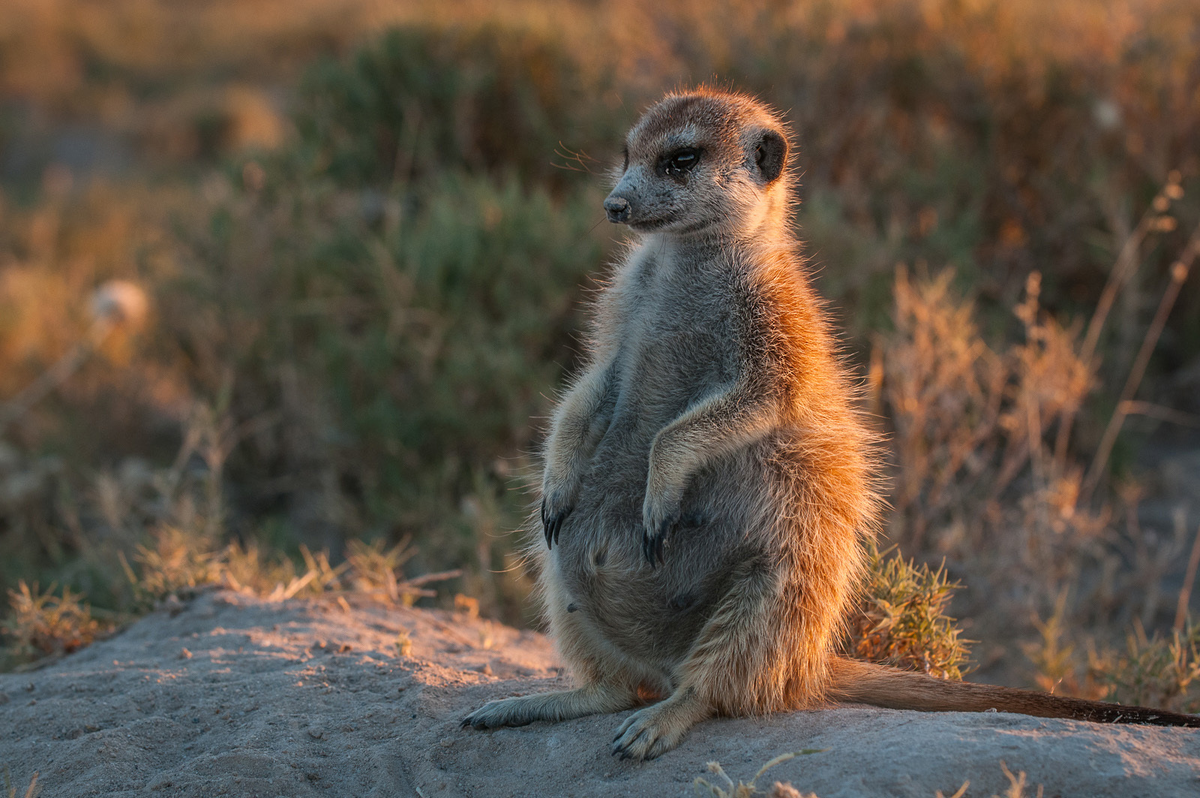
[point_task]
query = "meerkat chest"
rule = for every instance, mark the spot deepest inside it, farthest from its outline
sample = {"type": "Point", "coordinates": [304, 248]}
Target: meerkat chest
{"type": "Point", "coordinates": [678, 332]}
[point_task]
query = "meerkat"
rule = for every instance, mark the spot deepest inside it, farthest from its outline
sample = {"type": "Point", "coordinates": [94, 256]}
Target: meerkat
{"type": "Point", "coordinates": [709, 482]}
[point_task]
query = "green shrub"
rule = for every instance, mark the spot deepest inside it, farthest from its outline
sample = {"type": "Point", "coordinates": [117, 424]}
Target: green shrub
{"type": "Point", "coordinates": [397, 348]}
{"type": "Point", "coordinates": [421, 100]}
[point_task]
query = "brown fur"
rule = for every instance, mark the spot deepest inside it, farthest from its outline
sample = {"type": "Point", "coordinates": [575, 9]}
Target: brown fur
{"type": "Point", "coordinates": [708, 479]}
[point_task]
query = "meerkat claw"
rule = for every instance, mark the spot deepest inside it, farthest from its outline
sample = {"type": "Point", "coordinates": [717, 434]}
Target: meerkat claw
{"type": "Point", "coordinates": [654, 546]}
{"type": "Point", "coordinates": [552, 523]}
{"type": "Point", "coordinates": [648, 550]}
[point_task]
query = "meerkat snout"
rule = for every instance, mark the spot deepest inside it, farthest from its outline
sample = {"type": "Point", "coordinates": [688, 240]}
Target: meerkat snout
{"type": "Point", "coordinates": [617, 208]}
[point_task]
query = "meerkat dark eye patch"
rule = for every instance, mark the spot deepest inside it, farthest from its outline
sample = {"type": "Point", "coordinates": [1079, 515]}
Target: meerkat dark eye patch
{"type": "Point", "coordinates": [770, 154]}
{"type": "Point", "coordinates": [625, 152]}
{"type": "Point", "coordinates": [680, 162]}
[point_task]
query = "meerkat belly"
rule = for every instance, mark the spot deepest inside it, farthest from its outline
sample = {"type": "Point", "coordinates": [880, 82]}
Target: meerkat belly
{"type": "Point", "coordinates": [652, 614]}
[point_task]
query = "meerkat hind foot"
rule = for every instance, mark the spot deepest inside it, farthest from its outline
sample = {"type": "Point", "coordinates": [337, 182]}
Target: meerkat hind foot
{"type": "Point", "coordinates": [658, 728]}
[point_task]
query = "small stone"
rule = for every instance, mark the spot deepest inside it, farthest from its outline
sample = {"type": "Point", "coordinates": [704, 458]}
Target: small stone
{"type": "Point", "coordinates": [173, 605]}
{"type": "Point", "coordinates": [185, 654]}
{"type": "Point", "coordinates": [316, 732]}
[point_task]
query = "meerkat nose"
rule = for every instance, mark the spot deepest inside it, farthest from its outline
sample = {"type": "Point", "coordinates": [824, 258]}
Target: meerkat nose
{"type": "Point", "coordinates": [617, 209]}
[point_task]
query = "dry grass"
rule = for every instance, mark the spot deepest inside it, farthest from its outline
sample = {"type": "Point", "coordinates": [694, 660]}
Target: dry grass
{"type": "Point", "coordinates": [978, 484]}
{"type": "Point", "coordinates": [1158, 671]}
{"type": "Point", "coordinates": [988, 481]}
{"type": "Point", "coordinates": [903, 620]}
{"type": "Point", "coordinates": [969, 421]}
{"type": "Point", "coordinates": [45, 624]}
{"type": "Point", "coordinates": [178, 563]}
{"type": "Point", "coordinates": [10, 789]}
{"type": "Point", "coordinates": [1016, 786]}
{"type": "Point", "coordinates": [728, 789]}
{"type": "Point", "coordinates": [183, 516]}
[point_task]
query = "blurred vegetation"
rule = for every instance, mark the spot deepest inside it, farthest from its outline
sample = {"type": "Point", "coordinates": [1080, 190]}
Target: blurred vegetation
{"type": "Point", "coordinates": [367, 235]}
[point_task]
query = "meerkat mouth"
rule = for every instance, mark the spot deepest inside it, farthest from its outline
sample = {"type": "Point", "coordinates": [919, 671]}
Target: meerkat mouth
{"type": "Point", "coordinates": [666, 225]}
{"type": "Point", "coordinates": [649, 225]}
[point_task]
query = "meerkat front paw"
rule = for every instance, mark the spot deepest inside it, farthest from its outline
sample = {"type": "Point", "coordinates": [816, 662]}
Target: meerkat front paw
{"type": "Point", "coordinates": [505, 712]}
{"type": "Point", "coordinates": [558, 502]}
{"type": "Point", "coordinates": [660, 517]}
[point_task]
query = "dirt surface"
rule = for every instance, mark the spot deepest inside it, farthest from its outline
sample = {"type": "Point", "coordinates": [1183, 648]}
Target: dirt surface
{"type": "Point", "coordinates": [230, 695]}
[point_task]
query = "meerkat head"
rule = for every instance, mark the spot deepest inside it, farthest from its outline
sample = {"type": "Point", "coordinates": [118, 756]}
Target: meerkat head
{"type": "Point", "coordinates": [703, 161]}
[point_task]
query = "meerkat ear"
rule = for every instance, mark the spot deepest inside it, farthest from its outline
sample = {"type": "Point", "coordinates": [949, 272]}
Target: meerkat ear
{"type": "Point", "coordinates": [770, 155]}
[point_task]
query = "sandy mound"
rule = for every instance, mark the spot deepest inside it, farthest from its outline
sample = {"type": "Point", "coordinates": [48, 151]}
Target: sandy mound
{"type": "Point", "coordinates": [229, 695]}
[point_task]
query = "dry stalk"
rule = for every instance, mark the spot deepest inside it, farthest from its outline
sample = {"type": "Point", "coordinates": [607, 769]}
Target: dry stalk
{"type": "Point", "coordinates": [1185, 592]}
{"type": "Point", "coordinates": [1179, 273]}
{"type": "Point", "coordinates": [1122, 271]}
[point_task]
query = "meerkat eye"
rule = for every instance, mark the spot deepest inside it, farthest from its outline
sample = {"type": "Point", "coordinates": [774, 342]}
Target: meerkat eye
{"type": "Point", "coordinates": [681, 161]}
{"type": "Point", "coordinates": [625, 152]}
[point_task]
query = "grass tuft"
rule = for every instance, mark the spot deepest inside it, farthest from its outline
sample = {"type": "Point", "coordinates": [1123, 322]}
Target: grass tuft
{"type": "Point", "coordinates": [903, 619]}
{"type": "Point", "coordinates": [1162, 670]}
{"type": "Point", "coordinates": [45, 624]}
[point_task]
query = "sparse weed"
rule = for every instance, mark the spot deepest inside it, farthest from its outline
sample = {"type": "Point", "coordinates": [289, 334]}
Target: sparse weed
{"type": "Point", "coordinates": [1162, 670]}
{"type": "Point", "coordinates": [1016, 783]}
{"type": "Point", "coordinates": [403, 644]}
{"type": "Point", "coordinates": [1056, 668]}
{"type": "Point", "coordinates": [179, 563]}
{"type": "Point", "coordinates": [748, 789]}
{"type": "Point", "coordinates": [45, 624]}
{"type": "Point", "coordinates": [10, 789]}
{"type": "Point", "coordinates": [902, 621]}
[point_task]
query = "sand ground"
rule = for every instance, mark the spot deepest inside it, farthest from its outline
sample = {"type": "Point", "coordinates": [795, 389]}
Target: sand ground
{"type": "Point", "coordinates": [231, 695]}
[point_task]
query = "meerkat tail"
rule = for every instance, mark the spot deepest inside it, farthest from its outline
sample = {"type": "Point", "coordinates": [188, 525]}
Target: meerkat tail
{"type": "Point", "coordinates": [881, 686]}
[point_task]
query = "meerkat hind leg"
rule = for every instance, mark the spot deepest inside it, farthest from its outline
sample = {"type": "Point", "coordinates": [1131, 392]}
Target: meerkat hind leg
{"type": "Point", "coordinates": [715, 667]}
{"type": "Point", "coordinates": [591, 699]}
